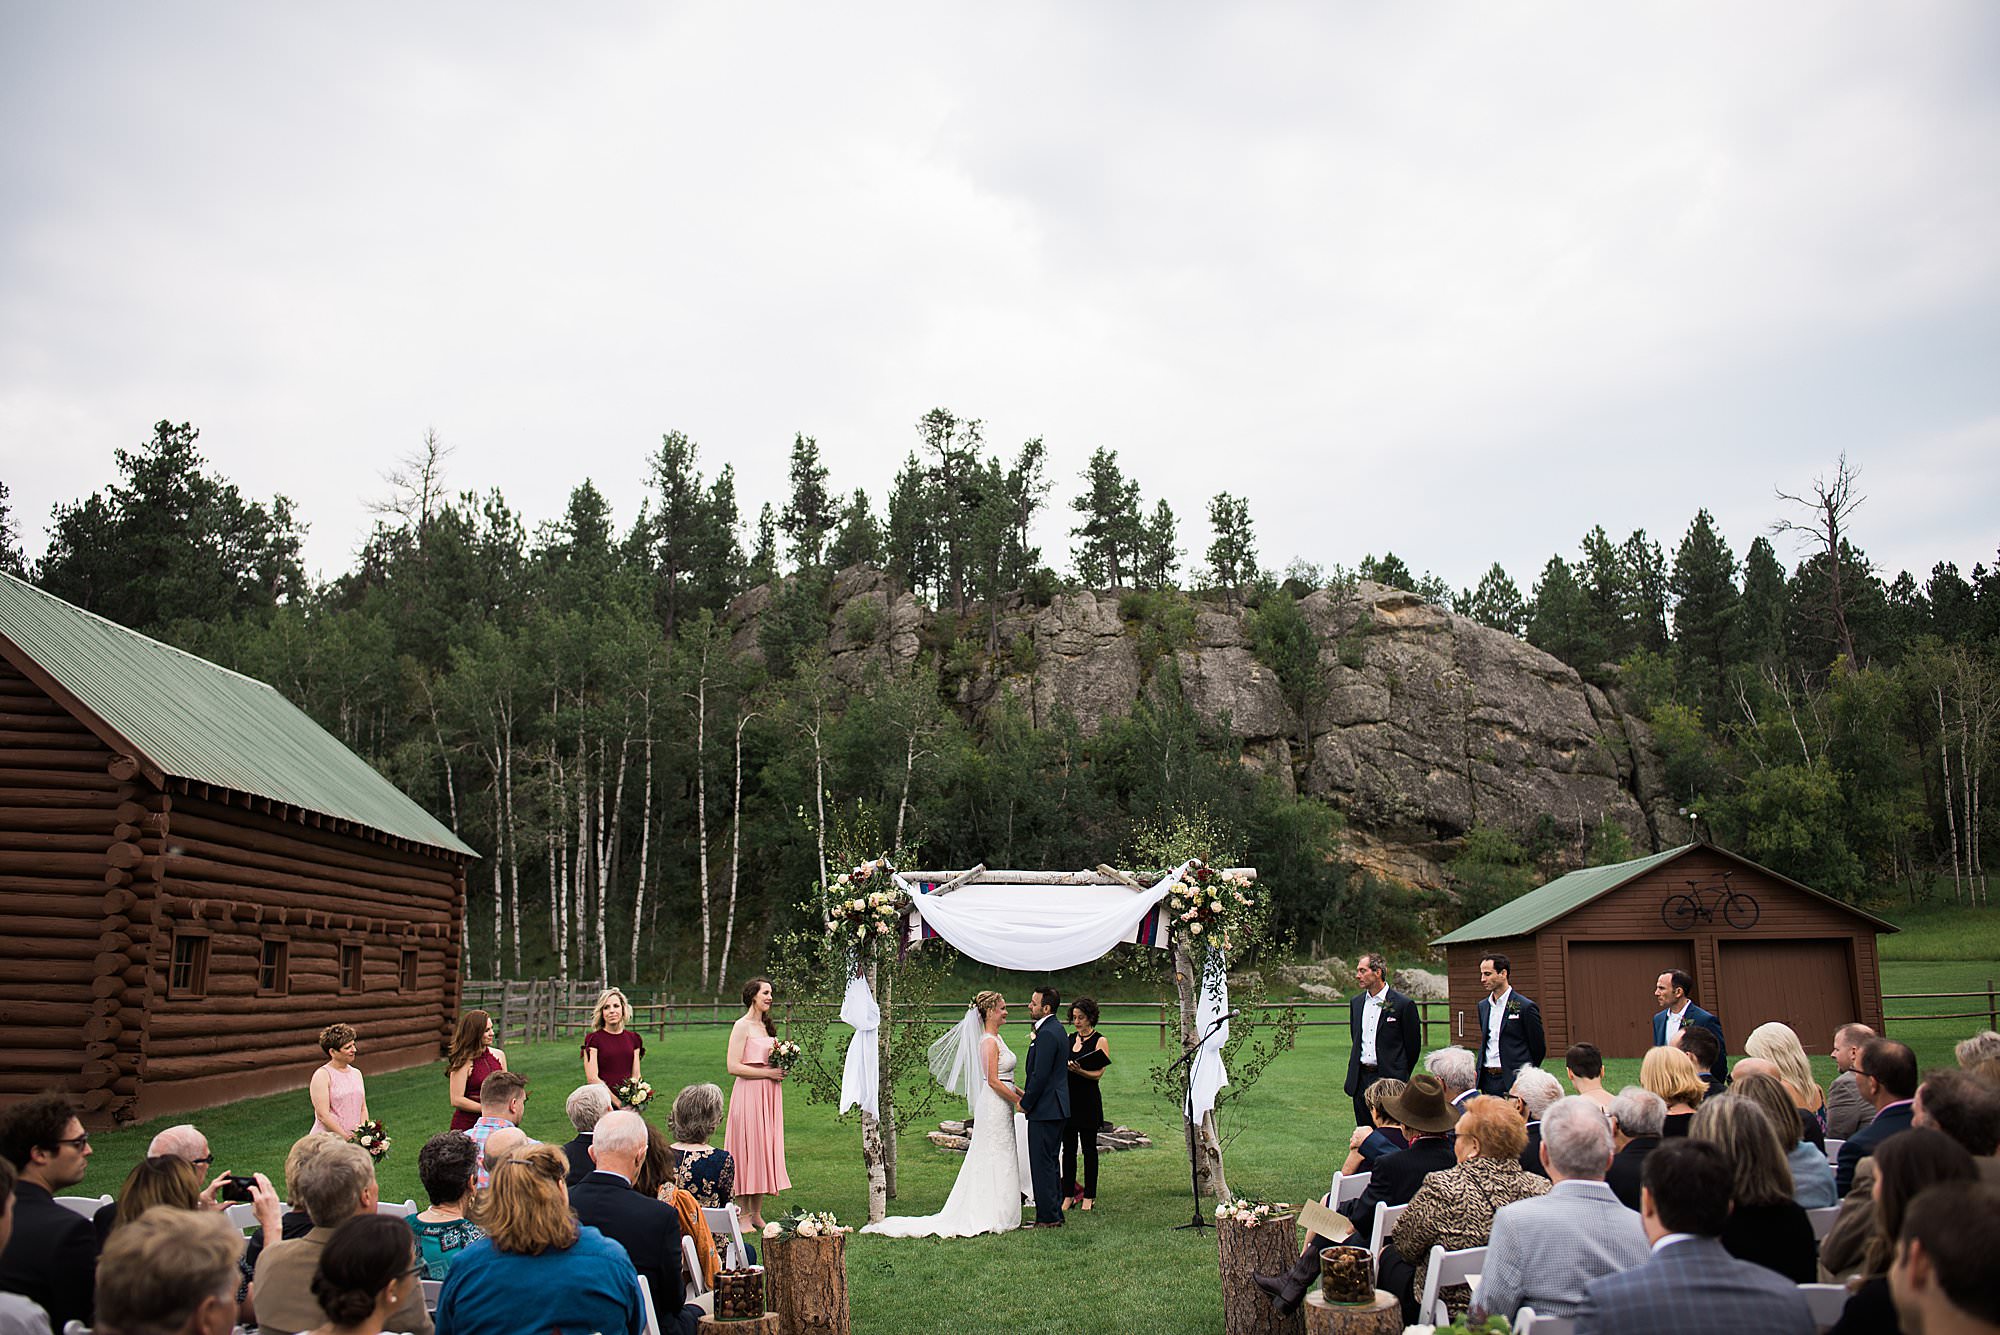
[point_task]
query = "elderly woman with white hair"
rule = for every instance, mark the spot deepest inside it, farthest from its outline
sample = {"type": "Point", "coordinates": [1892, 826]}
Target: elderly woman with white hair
{"type": "Point", "coordinates": [585, 1105]}
{"type": "Point", "coordinates": [1533, 1091]}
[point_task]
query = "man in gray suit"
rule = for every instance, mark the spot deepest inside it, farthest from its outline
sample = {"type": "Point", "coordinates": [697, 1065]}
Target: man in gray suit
{"type": "Point", "coordinates": [1545, 1249]}
{"type": "Point", "coordinates": [1846, 1110]}
{"type": "Point", "coordinates": [1690, 1283]}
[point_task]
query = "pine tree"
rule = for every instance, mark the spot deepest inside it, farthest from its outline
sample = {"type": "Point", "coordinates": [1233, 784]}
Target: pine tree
{"type": "Point", "coordinates": [1159, 557]}
{"type": "Point", "coordinates": [910, 538]}
{"type": "Point", "coordinates": [1390, 570]}
{"type": "Point", "coordinates": [1644, 613]}
{"type": "Point", "coordinates": [1497, 601]}
{"type": "Point", "coordinates": [695, 556]}
{"type": "Point", "coordinates": [1111, 527]}
{"type": "Point", "coordinates": [859, 541]}
{"type": "Point", "coordinates": [809, 516]}
{"type": "Point", "coordinates": [1232, 556]}
{"type": "Point", "coordinates": [11, 559]}
{"type": "Point", "coordinates": [1761, 626]}
{"type": "Point", "coordinates": [1601, 577]}
{"type": "Point", "coordinates": [764, 560]}
{"type": "Point", "coordinates": [1707, 608]}
{"type": "Point", "coordinates": [1561, 621]}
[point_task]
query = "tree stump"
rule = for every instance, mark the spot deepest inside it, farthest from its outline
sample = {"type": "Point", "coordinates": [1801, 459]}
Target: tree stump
{"type": "Point", "coordinates": [1243, 1252]}
{"type": "Point", "coordinates": [806, 1279]}
{"type": "Point", "coordinates": [766, 1324]}
{"type": "Point", "coordinates": [1384, 1316]}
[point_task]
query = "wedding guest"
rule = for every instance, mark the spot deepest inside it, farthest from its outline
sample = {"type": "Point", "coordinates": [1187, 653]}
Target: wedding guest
{"type": "Point", "coordinates": [18, 1315]}
{"type": "Point", "coordinates": [647, 1228]}
{"type": "Point", "coordinates": [1534, 1090]}
{"type": "Point", "coordinates": [755, 1136]}
{"type": "Point", "coordinates": [1778, 1043]}
{"type": "Point", "coordinates": [1688, 1282]}
{"type": "Point", "coordinates": [1811, 1133]}
{"type": "Point", "coordinates": [1942, 1279]}
{"type": "Point", "coordinates": [585, 1104]}
{"type": "Point", "coordinates": [1706, 1050]}
{"type": "Point", "coordinates": [1905, 1166]}
{"type": "Point", "coordinates": [1457, 1069]}
{"type": "Point", "coordinates": [367, 1271]}
{"type": "Point", "coordinates": [1846, 1111]}
{"type": "Point", "coordinates": [170, 1273]}
{"type": "Point", "coordinates": [1510, 1027]}
{"type": "Point", "coordinates": [503, 1101]}
{"type": "Point", "coordinates": [1674, 991]}
{"type": "Point", "coordinates": [339, 1096]}
{"type": "Point", "coordinates": [537, 1269]}
{"type": "Point", "coordinates": [1887, 1078]}
{"type": "Point", "coordinates": [656, 1179]}
{"type": "Point", "coordinates": [1584, 1065]}
{"type": "Point", "coordinates": [1544, 1250]}
{"type": "Point", "coordinates": [334, 1185]}
{"type": "Point", "coordinates": [611, 1052]}
{"type": "Point", "coordinates": [1383, 1032]}
{"type": "Point", "coordinates": [447, 1165]}
{"type": "Point", "coordinates": [157, 1180]}
{"type": "Point", "coordinates": [1670, 1073]}
{"type": "Point", "coordinates": [1972, 1051]}
{"type": "Point", "coordinates": [52, 1258]}
{"type": "Point", "coordinates": [1089, 1054]}
{"type": "Point", "coordinates": [293, 1221]}
{"type": "Point", "coordinates": [1383, 1135]}
{"type": "Point", "coordinates": [1637, 1117]}
{"type": "Point", "coordinates": [1455, 1206]}
{"type": "Point", "coordinates": [697, 1167]}
{"type": "Point", "coordinates": [184, 1141]}
{"type": "Point", "coordinates": [471, 1058]}
{"type": "Point", "coordinates": [1766, 1225]}
{"type": "Point", "coordinates": [1812, 1175]}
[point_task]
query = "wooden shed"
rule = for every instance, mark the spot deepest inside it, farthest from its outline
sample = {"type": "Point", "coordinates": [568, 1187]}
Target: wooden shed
{"type": "Point", "coordinates": [195, 878]}
{"type": "Point", "coordinates": [1588, 947]}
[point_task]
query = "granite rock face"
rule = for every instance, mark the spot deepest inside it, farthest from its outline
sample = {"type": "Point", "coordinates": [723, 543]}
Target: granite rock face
{"type": "Point", "coordinates": [1429, 723]}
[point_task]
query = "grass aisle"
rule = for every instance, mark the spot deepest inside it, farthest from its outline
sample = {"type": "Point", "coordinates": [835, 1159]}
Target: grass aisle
{"type": "Point", "coordinates": [1118, 1269]}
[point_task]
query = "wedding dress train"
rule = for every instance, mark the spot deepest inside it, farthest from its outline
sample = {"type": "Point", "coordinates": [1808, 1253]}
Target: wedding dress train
{"type": "Point", "coordinates": [986, 1198]}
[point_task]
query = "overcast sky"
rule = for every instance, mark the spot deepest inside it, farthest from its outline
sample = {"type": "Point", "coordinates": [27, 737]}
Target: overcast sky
{"type": "Point", "coordinates": [1454, 280]}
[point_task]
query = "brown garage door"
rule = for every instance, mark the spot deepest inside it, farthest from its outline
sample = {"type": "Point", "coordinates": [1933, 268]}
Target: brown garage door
{"type": "Point", "coordinates": [1611, 991]}
{"type": "Point", "coordinates": [1807, 984]}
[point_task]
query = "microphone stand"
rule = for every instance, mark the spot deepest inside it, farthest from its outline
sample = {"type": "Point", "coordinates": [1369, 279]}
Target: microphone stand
{"type": "Point", "coordinates": [1186, 1065]}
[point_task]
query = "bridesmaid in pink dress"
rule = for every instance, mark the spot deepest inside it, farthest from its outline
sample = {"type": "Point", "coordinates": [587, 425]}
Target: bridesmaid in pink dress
{"type": "Point", "coordinates": [756, 1134]}
{"type": "Point", "coordinates": [339, 1099]}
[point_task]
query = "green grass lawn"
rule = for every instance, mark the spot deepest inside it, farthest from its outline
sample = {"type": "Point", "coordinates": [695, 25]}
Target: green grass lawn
{"type": "Point", "coordinates": [1122, 1266]}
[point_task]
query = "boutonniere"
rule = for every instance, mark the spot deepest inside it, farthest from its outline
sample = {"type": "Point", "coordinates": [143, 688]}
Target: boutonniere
{"type": "Point", "coordinates": [1513, 1006]}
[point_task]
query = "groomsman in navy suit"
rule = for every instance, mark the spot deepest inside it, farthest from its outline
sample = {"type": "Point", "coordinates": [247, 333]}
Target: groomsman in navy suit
{"type": "Point", "coordinates": [1384, 1030]}
{"type": "Point", "coordinates": [1510, 1028]}
{"type": "Point", "coordinates": [1674, 990]}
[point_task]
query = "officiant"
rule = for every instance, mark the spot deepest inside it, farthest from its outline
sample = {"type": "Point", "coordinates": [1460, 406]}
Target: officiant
{"type": "Point", "coordinates": [1089, 1054]}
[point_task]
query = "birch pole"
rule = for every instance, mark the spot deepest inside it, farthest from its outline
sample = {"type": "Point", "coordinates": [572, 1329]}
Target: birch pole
{"type": "Point", "coordinates": [872, 1157]}
{"type": "Point", "coordinates": [735, 842]}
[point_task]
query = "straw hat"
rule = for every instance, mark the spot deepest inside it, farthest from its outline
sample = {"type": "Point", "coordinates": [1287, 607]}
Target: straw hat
{"type": "Point", "coordinates": [1422, 1105]}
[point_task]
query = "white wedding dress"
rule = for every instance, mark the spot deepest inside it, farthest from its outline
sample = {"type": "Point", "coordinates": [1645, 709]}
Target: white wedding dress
{"type": "Point", "coordinates": [987, 1196]}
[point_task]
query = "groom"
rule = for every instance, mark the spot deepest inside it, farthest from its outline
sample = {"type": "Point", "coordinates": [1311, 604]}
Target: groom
{"type": "Point", "coordinates": [1045, 1102]}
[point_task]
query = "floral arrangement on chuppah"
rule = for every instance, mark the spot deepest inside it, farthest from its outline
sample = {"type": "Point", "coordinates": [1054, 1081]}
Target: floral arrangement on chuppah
{"type": "Point", "coordinates": [862, 906]}
{"type": "Point", "coordinates": [1209, 905]}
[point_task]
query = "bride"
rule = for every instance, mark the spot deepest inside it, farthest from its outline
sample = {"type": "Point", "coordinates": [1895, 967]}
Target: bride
{"type": "Point", "coordinates": [972, 1061]}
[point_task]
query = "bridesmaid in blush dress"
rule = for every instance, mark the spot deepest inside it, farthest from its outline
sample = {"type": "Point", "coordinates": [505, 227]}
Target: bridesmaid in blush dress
{"type": "Point", "coordinates": [339, 1098]}
{"type": "Point", "coordinates": [755, 1138]}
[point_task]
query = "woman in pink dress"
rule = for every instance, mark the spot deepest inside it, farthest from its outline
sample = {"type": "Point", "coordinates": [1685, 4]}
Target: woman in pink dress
{"type": "Point", "coordinates": [472, 1058]}
{"type": "Point", "coordinates": [756, 1134]}
{"type": "Point", "coordinates": [339, 1099]}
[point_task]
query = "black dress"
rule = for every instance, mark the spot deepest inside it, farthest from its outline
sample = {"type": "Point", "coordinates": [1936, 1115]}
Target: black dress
{"type": "Point", "coordinates": [1086, 1114]}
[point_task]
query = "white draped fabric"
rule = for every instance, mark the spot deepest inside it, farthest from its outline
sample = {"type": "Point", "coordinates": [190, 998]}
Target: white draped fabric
{"type": "Point", "coordinates": [1207, 1078]}
{"type": "Point", "coordinates": [860, 1082]}
{"type": "Point", "coordinates": [1036, 928]}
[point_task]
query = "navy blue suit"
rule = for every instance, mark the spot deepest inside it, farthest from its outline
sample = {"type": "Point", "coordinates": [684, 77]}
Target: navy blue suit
{"type": "Point", "coordinates": [1693, 1017]}
{"type": "Point", "coordinates": [1398, 1034]}
{"type": "Point", "coordinates": [1693, 1285]}
{"type": "Point", "coordinates": [53, 1257]}
{"type": "Point", "coordinates": [1521, 1041]}
{"type": "Point", "coordinates": [1863, 1143]}
{"type": "Point", "coordinates": [1045, 1103]}
{"type": "Point", "coordinates": [650, 1232]}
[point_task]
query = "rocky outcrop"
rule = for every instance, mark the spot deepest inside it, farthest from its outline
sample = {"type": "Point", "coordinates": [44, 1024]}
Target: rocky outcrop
{"type": "Point", "coordinates": [1429, 723]}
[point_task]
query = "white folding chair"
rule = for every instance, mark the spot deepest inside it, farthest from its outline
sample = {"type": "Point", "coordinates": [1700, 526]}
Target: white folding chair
{"type": "Point", "coordinates": [1447, 1268]}
{"type": "Point", "coordinates": [691, 1266]}
{"type": "Point", "coordinates": [1833, 1149]}
{"type": "Point", "coordinates": [242, 1216]}
{"type": "Point", "coordinates": [1826, 1302]}
{"type": "Point", "coordinates": [647, 1311]}
{"type": "Point", "coordinates": [432, 1288]}
{"type": "Point", "coordinates": [1527, 1322]}
{"type": "Point", "coordinates": [1348, 1187]}
{"type": "Point", "coordinates": [395, 1211]}
{"type": "Point", "coordinates": [1822, 1220]}
{"type": "Point", "coordinates": [87, 1206]}
{"type": "Point", "coordinates": [726, 1223]}
{"type": "Point", "coordinates": [1385, 1224]}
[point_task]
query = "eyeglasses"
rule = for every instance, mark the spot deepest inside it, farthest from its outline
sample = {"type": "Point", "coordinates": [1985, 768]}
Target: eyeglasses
{"type": "Point", "coordinates": [78, 1141]}
{"type": "Point", "coordinates": [204, 1159]}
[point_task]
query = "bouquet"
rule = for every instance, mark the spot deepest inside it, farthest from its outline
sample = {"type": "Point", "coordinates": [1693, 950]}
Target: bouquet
{"type": "Point", "coordinates": [633, 1093]}
{"type": "Point", "coordinates": [1207, 901]}
{"type": "Point", "coordinates": [861, 914]}
{"type": "Point", "coordinates": [805, 1224]}
{"type": "Point", "coordinates": [784, 1055]}
{"type": "Point", "coordinates": [371, 1137]}
{"type": "Point", "coordinates": [1251, 1213]}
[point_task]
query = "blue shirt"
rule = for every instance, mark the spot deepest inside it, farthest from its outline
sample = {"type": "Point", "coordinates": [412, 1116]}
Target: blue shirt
{"type": "Point", "coordinates": [592, 1287]}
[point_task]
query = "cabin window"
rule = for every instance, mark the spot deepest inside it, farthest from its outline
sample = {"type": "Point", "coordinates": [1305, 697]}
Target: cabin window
{"type": "Point", "coordinates": [274, 967]}
{"type": "Point", "coordinates": [188, 974]}
{"type": "Point", "coordinates": [350, 968]}
{"type": "Point", "coordinates": [409, 971]}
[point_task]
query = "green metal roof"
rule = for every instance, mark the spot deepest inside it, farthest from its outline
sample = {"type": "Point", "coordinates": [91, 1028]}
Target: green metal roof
{"type": "Point", "coordinates": [1566, 894]}
{"type": "Point", "coordinates": [191, 719]}
{"type": "Point", "coordinates": [1544, 904]}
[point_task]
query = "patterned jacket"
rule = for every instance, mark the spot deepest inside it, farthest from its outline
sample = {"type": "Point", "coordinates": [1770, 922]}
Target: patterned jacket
{"type": "Point", "coordinates": [1455, 1207]}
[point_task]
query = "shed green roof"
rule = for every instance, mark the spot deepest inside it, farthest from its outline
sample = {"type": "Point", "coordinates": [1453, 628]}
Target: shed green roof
{"type": "Point", "coordinates": [191, 719]}
{"type": "Point", "coordinates": [1566, 894]}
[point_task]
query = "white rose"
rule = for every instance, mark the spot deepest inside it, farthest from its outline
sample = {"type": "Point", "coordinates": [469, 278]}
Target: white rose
{"type": "Point", "coordinates": [1196, 929]}
{"type": "Point", "coordinates": [808, 1229]}
{"type": "Point", "coordinates": [772, 1230]}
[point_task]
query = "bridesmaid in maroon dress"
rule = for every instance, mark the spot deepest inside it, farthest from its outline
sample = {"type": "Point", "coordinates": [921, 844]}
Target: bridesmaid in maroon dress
{"type": "Point", "coordinates": [611, 1052]}
{"type": "Point", "coordinates": [472, 1058]}
{"type": "Point", "coordinates": [756, 1135]}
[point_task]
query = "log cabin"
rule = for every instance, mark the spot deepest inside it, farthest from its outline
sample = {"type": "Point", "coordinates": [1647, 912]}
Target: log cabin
{"type": "Point", "coordinates": [1588, 947]}
{"type": "Point", "coordinates": [195, 878]}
